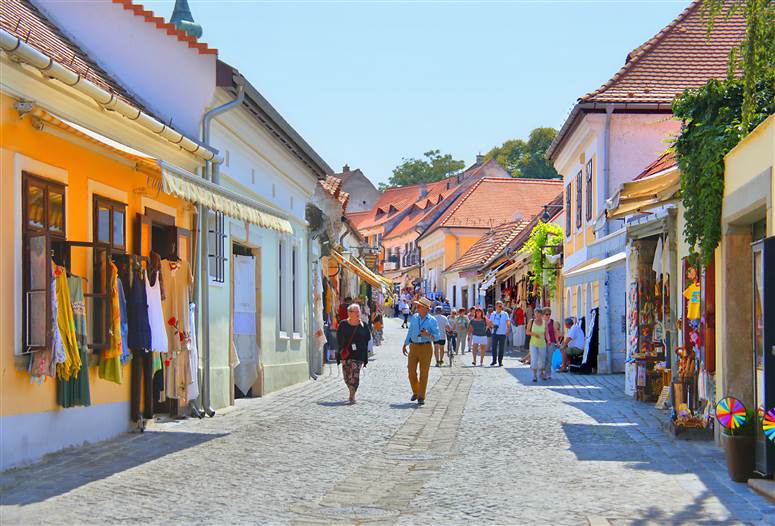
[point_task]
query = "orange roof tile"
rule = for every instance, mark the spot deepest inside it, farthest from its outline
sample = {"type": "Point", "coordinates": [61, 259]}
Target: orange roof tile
{"type": "Point", "coordinates": [488, 245]}
{"type": "Point", "coordinates": [492, 202]}
{"type": "Point", "coordinates": [22, 19]}
{"type": "Point", "coordinates": [333, 186]}
{"type": "Point", "coordinates": [168, 27]}
{"type": "Point", "coordinates": [664, 162]}
{"type": "Point", "coordinates": [678, 57]}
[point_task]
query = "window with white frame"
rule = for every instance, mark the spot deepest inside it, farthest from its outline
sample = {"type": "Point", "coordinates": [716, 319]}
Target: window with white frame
{"type": "Point", "coordinates": [295, 289]}
{"type": "Point", "coordinates": [281, 285]}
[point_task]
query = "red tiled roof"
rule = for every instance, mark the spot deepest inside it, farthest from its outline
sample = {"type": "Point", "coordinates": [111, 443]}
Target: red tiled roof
{"type": "Point", "coordinates": [333, 186]}
{"type": "Point", "coordinates": [663, 162]}
{"type": "Point", "coordinates": [168, 27]}
{"type": "Point", "coordinates": [488, 245]}
{"type": "Point", "coordinates": [678, 57]}
{"type": "Point", "coordinates": [492, 202]}
{"type": "Point", "coordinates": [358, 217]}
{"type": "Point", "coordinates": [22, 19]}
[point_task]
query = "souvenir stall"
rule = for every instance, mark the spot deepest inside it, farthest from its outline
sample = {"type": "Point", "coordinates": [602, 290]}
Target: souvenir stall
{"type": "Point", "coordinates": [650, 317]}
{"type": "Point", "coordinates": [694, 378]}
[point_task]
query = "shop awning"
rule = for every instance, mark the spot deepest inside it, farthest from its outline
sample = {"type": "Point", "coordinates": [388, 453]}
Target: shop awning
{"type": "Point", "coordinates": [177, 181]}
{"type": "Point", "coordinates": [520, 262]}
{"type": "Point", "coordinates": [644, 194]}
{"type": "Point", "coordinates": [361, 270]}
{"type": "Point", "coordinates": [186, 185]}
{"type": "Point", "coordinates": [597, 265]}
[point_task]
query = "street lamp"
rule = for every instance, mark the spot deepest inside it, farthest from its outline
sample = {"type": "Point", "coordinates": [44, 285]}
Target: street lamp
{"type": "Point", "coordinates": [545, 217]}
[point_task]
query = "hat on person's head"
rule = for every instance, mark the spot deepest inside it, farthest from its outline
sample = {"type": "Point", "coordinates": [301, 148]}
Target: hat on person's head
{"type": "Point", "coordinates": [438, 308]}
{"type": "Point", "coordinates": [425, 302]}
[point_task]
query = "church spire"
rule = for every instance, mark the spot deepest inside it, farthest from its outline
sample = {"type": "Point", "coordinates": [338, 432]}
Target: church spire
{"type": "Point", "coordinates": [183, 20]}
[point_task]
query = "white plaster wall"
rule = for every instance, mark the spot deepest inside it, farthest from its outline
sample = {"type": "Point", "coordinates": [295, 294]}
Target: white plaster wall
{"type": "Point", "coordinates": [27, 437]}
{"type": "Point", "coordinates": [636, 141]}
{"type": "Point", "coordinates": [363, 193]}
{"type": "Point", "coordinates": [175, 81]}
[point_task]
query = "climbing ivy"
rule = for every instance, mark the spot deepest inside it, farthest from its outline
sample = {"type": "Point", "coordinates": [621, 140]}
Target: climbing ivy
{"type": "Point", "coordinates": [712, 117]}
{"type": "Point", "coordinates": [718, 115]}
{"type": "Point", "coordinates": [542, 238]}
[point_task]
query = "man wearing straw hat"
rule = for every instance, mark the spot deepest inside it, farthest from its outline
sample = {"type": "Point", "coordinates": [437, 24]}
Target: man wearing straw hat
{"type": "Point", "coordinates": [423, 331]}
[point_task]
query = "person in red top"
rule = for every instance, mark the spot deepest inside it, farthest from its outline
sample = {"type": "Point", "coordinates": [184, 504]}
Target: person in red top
{"type": "Point", "coordinates": [518, 322]}
{"type": "Point", "coordinates": [341, 312]}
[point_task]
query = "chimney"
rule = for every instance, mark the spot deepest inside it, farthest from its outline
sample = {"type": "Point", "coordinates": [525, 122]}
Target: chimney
{"type": "Point", "coordinates": [479, 159]}
{"type": "Point", "coordinates": [346, 168]}
{"type": "Point", "coordinates": [184, 20]}
{"type": "Point", "coordinates": [423, 190]}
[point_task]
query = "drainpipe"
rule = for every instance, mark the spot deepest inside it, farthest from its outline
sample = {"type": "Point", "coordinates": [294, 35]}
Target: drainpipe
{"type": "Point", "coordinates": [211, 172]}
{"type": "Point", "coordinates": [606, 275]}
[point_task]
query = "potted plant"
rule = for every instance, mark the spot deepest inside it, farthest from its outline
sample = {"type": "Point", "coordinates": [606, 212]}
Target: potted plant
{"type": "Point", "coordinates": [739, 448]}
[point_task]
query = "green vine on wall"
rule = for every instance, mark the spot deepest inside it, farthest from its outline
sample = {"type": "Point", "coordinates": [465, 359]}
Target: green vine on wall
{"type": "Point", "coordinates": [718, 115]}
{"type": "Point", "coordinates": [543, 238]}
{"type": "Point", "coordinates": [712, 126]}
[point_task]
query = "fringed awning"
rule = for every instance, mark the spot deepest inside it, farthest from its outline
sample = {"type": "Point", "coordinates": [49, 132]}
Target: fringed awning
{"type": "Point", "coordinates": [196, 190]}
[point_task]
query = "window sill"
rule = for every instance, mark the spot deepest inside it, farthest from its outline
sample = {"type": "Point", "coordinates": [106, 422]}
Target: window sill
{"type": "Point", "coordinates": [283, 335]}
{"type": "Point", "coordinates": [297, 336]}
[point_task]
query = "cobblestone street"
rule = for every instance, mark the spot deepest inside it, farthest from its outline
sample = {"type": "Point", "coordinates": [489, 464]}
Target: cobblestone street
{"type": "Point", "coordinates": [488, 447]}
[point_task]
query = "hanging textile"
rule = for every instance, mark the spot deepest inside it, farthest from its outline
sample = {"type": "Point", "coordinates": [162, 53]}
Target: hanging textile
{"type": "Point", "coordinates": [110, 360]}
{"type": "Point", "coordinates": [137, 309]}
{"type": "Point", "coordinates": [125, 354]}
{"type": "Point", "coordinates": [72, 364]}
{"type": "Point", "coordinates": [156, 320]}
{"type": "Point", "coordinates": [177, 280]}
{"type": "Point", "coordinates": [75, 391]}
{"type": "Point", "coordinates": [193, 356]}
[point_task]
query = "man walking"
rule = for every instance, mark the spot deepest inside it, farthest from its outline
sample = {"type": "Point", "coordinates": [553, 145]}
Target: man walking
{"type": "Point", "coordinates": [423, 332]}
{"type": "Point", "coordinates": [501, 327]}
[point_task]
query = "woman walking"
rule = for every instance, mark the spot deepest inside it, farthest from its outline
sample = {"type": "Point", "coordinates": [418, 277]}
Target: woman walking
{"type": "Point", "coordinates": [353, 337]}
{"type": "Point", "coordinates": [536, 329]}
{"type": "Point", "coordinates": [477, 328]}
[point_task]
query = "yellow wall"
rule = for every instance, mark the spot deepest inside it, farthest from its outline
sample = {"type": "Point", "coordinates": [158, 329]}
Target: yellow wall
{"type": "Point", "coordinates": [87, 171]}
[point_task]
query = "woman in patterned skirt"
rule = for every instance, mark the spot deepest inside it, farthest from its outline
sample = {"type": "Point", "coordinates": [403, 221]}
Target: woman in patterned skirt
{"type": "Point", "coordinates": [353, 337]}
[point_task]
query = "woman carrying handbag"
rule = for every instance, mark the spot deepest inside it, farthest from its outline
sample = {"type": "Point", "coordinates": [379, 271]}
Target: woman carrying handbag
{"type": "Point", "coordinates": [353, 337]}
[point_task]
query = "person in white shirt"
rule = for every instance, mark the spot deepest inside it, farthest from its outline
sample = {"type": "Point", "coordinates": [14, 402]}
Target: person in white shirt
{"type": "Point", "coordinates": [438, 345]}
{"type": "Point", "coordinates": [406, 311]}
{"type": "Point", "coordinates": [573, 343]}
{"type": "Point", "coordinates": [501, 328]}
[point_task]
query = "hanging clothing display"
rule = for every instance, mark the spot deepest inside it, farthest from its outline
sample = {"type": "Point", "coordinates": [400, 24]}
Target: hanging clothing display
{"type": "Point", "coordinates": [177, 280]}
{"type": "Point", "coordinates": [110, 359]}
{"type": "Point", "coordinates": [72, 364]}
{"type": "Point", "coordinates": [159, 342]}
{"type": "Point", "coordinates": [75, 391]}
{"type": "Point", "coordinates": [193, 356]}
{"type": "Point", "coordinates": [137, 310]}
{"type": "Point", "coordinates": [125, 355]}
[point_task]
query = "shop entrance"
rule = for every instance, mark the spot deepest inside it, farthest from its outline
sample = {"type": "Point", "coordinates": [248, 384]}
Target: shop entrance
{"type": "Point", "coordinates": [155, 234]}
{"type": "Point", "coordinates": [247, 377]}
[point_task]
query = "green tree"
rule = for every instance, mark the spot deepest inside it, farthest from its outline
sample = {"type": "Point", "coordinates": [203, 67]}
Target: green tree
{"type": "Point", "coordinates": [509, 155]}
{"type": "Point", "coordinates": [535, 163]}
{"type": "Point", "coordinates": [433, 167]}
{"type": "Point", "coordinates": [526, 158]}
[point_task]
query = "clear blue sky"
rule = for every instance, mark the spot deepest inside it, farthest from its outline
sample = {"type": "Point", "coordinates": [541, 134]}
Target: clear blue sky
{"type": "Point", "coordinates": [369, 82]}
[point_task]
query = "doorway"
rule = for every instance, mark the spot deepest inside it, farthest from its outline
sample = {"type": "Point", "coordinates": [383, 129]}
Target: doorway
{"type": "Point", "coordinates": [246, 320]}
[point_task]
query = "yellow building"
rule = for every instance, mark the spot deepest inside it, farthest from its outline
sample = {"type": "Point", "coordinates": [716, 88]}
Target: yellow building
{"type": "Point", "coordinates": [87, 177]}
{"type": "Point", "coordinates": [745, 280]}
{"type": "Point", "coordinates": [489, 203]}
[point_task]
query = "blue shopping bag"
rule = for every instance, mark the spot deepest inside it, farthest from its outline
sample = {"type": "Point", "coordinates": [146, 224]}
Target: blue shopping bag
{"type": "Point", "coordinates": [556, 359]}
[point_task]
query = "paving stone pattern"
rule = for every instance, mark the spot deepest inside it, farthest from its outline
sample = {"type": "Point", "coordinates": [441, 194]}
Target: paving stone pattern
{"type": "Point", "coordinates": [489, 447]}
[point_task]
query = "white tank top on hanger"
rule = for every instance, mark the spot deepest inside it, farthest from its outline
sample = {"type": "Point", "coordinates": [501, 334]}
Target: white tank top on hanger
{"type": "Point", "coordinates": [156, 316]}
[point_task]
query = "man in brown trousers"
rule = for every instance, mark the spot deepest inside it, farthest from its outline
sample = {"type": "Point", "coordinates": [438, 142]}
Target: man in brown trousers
{"type": "Point", "coordinates": [423, 331]}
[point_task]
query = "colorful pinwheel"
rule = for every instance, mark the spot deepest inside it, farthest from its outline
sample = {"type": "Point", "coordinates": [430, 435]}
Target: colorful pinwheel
{"type": "Point", "coordinates": [768, 424]}
{"type": "Point", "coordinates": [730, 412]}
